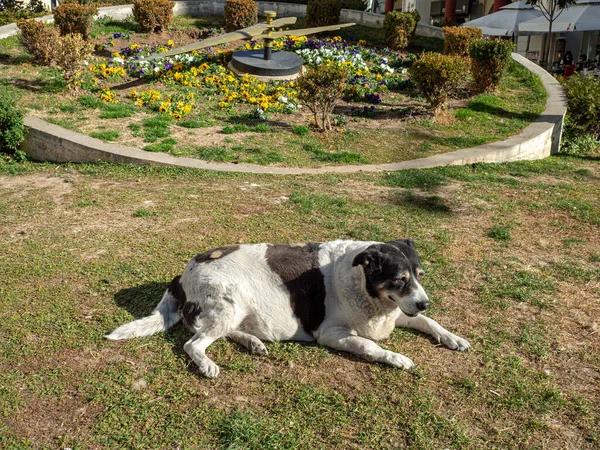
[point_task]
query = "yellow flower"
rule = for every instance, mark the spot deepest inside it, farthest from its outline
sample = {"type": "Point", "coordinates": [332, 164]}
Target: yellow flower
{"type": "Point", "coordinates": [362, 42]}
{"type": "Point", "coordinates": [170, 43]}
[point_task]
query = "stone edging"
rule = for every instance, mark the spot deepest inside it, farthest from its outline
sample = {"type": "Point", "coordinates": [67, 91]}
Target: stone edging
{"type": "Point", "coordinates": [48, 142]}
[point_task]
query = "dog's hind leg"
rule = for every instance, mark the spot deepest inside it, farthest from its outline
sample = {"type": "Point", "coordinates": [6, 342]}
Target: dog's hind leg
{"type": "Point", "coordinates": [431, 327]}
{"type": "Point", "coordinates": [251, 342]}
{"type": "Point", "coordinates": [196, 348]}
{"type": "Point", "coordinates": [211, 316]}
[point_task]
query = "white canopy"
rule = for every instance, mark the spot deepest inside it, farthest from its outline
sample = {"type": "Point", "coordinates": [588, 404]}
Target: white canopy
{"type": "Point", "coordinates": [583, 16]}
{"type": "Point", "coordinates": [506, 21]}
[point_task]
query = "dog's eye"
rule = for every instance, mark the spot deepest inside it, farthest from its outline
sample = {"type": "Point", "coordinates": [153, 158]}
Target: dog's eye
{"type": "Point", "coordinates": [420, 275]}
{"type": "Point", "coordinates": [401, 280]}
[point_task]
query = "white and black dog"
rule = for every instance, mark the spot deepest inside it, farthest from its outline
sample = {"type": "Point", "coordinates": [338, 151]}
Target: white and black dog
{"type": "Point", "coordinates": [343, 294]}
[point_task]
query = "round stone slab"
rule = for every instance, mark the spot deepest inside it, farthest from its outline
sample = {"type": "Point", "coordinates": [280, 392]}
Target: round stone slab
{"type": "Point", "coordinates": [281, 63]}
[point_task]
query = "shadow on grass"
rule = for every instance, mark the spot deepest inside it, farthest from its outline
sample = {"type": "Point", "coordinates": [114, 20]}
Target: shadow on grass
{"type": "Point", "coordinates": [8, 59]}
{"type": "Point", "coordinates": [583, 157]}
{"type": "Point", "coordinates": [131, 84]}
{"type": "Point", "coordinates": [429, 203]}
{"type": "Point", "coordinates": [53, 85]}
{"type": "Point", "coordinates": [484, 106]}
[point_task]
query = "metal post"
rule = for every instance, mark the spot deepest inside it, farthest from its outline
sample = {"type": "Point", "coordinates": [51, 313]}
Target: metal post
{"type": "Point", "coordinates": [268, 41]}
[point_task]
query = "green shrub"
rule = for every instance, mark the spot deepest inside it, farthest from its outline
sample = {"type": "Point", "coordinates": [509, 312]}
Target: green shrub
{"type": "Point", "coordinates": [75, 18]}
{"type": "Point", "coordinates": [70, 54]}
{"type": "Point", "coordinates": [437, 76]}
{"type": "Point", "coordinates": [358, 5]}
{"type": "Point", "coordinates": [416, 15]}
{"type": "Point", "coordinates": [457, 39]}
{"type": "Point", "coordinates": [240, 14]}
{"type": "Point", "coordinates": [320, 13]}
{"type": "Point", "coordinates": [489, 60]}
{"type": "Point", "coordinates": [576, 142]}
{"type": "Point", "coordinates": [13, 10]}
{"type": "Point", "coordinates": [398, 28]}
{"type": "Point", "coordinates": [583, 103]}
{"type": "Point", "coordinates": [38, 39]}
{"type": "Point", "coordinates": [320, 89]}
{"type": "Point", "coordinates": [15, 5]}
{"type": "Point", "coordinates": [12, 129]}
{"type": "Point", "coordinates": [153, 16]}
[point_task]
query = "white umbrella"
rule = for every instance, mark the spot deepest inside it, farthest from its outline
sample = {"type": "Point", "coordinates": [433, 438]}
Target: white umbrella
{"type": "Point", "coordinates": [583, 16]}
{"type": "Point", "coordinates": [506, 21]}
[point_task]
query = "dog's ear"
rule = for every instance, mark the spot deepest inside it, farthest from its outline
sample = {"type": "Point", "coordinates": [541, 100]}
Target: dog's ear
{"type": "Point", "coordinates": [408, 242]}
{"type": "Point", "coordinates": [362, 259]}
{"type": "Point", "coordinates": [369, 259]}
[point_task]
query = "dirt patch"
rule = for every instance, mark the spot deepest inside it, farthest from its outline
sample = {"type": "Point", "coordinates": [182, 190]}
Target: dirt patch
{"type": "Point", "coordinates": [36, 184]}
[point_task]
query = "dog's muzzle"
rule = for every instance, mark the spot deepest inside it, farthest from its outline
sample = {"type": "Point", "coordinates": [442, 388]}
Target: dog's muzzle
{"type": "Point", "coordinates": [412, 304]}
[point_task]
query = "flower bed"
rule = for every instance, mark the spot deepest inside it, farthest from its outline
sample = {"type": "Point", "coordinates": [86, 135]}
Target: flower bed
{"type": "Point", "coordinates": [192, 105]}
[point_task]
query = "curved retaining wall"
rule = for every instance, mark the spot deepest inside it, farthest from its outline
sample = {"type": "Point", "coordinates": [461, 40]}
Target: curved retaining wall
{"type": "Point", "coordinates": [48, 142]}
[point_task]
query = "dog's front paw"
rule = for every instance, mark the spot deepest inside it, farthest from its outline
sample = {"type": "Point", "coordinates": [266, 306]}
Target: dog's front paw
{"type": "Point", "coordinates": [256, 347]}
{"type": "Point", "coordinates": [208, 368]}
{"type": "Point", "coordinates": [398, 360]}
{"type": "Point", "coordinates": [455, 342]}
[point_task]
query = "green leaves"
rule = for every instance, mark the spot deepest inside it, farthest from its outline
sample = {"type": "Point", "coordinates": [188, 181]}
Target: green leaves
{"type": "Point", "coordinates": [12, 129]}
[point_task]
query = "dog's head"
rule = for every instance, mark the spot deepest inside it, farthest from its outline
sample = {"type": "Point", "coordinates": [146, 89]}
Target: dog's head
{"type": "Point", "coordinates": [392, 271]}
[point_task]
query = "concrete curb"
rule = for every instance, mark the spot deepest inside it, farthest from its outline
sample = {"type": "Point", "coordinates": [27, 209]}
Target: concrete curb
{"type": "Point", "coordinates": [48, 142]}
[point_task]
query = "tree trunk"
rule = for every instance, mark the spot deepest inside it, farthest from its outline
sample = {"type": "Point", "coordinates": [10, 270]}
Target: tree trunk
{"type": "Point", "coordinates": [549, 43]}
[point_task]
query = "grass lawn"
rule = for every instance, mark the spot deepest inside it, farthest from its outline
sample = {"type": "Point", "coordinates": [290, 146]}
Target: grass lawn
{"type": "Point", "coordinates": [512, 260]}
{"type": "Point", "coordinates": [396, 126]}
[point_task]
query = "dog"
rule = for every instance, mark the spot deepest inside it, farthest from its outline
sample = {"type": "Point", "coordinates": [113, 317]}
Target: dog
{"type": "Point", "coordinates": [343, 294]}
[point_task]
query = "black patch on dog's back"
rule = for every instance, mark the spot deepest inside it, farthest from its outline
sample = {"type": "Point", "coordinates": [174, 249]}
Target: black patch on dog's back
{"type": "Point", "coordinates": [215, 254]}
{"type": "Point", "coordinates": [298, 267]}
{"type": "Point", "coordinates": [187, 310]}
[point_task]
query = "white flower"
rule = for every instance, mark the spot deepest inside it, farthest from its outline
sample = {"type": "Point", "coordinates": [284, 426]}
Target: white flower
{"type": "Point", "coordinates": [282, 99]}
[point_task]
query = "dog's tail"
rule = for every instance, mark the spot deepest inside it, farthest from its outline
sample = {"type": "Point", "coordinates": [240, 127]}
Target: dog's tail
{"type": "Point", "coordinates": [164, 316]}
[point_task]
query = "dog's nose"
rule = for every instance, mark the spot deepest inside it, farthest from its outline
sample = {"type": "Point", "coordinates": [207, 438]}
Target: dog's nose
{"type": "Point", "coordinates": [422, 306]}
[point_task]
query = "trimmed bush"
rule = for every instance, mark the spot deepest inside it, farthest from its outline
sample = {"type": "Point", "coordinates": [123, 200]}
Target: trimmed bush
{"type": "Point", "coordinates": [320, 89]}
{"type": "Point", "coordinates": [38, 39]}
{"type": "Point", "coordinates": [320, 13]}
{"type": "Point", "coordinates": [71, 53]}
{"type": "Point", "coordinates": [75, 18]}
{"type": "Point", "coordinates": [153, 16]}
{"type": "Point", "coordinates": [437, 76]}
{"type": "Point", "coordinates": [457, 39]}
{"type": "Point", "coordinates": [398, 28]}
{"type": "Point", "coordinates": [240, 14]}
{"type": "Point", "coordinates": [583, 103]}
{"type": "Point", "coordinates": [489, 60]}
{"type": "Point", "coordinates": [12, 129]}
